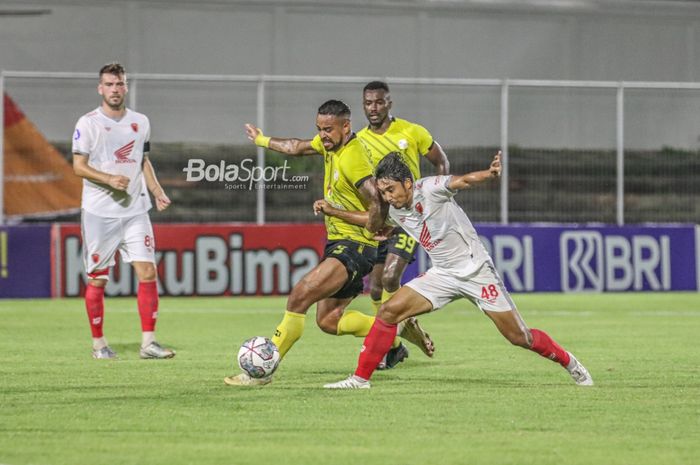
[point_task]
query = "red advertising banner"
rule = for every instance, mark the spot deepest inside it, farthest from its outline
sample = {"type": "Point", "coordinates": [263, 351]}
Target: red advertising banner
{"type": "Point", "coordinates": [203, 259]}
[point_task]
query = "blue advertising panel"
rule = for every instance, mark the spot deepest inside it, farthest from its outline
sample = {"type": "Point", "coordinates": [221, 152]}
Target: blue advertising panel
{"type": "Point", "coordinates": [25, 261]}
{"type": "Point", "coordinates": [572, 258]}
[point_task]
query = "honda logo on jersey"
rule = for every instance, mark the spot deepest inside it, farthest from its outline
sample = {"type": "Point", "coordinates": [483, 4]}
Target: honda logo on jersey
{"type": "Point", "coordinates": [426, 239]}
{"type": "Point", "coordinates": [123, 153]}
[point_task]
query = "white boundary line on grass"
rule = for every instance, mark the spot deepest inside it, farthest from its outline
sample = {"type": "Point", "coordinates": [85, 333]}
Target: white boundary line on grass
{"type": "Point", "coordinates": [666, 313]}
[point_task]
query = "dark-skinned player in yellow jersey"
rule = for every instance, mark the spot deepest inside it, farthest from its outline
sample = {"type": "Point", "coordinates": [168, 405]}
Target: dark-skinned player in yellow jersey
{"type": "Point", "coordinates": [351, 249]}
{"type": "Point", "coordinates": [383, 135]}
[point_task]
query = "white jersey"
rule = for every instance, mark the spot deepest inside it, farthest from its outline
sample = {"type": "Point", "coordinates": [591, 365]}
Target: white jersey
{"type": "Point", "coordinates": [442, 228]}
{"type": "Point", "coordinates": [114, 147]}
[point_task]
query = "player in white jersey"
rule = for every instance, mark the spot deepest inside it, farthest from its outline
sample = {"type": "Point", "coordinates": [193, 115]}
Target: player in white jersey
{"type": "Point", "coordinates": [110, 153]}
{"type": "Point", "coordinates": [462, 268]}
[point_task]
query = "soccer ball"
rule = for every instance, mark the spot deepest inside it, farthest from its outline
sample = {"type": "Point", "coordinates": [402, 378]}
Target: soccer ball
{"type": "Point", "coordinates": [259, 357]}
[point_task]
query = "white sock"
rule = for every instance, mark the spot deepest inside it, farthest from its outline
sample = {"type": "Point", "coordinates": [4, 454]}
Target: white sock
{"type": "Point", "coordinates": [98, 343]}
{"type": "Point", "coordinates": [147, 337]}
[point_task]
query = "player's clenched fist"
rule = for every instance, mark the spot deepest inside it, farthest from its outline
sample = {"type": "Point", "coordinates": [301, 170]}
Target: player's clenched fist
{"type": "Point", "coordinates": [495, 167]}
{"type": "Point", "coordinates": [118, 182]}
{"type": "Point", "coordinates": [162, 201]}
{"type": "Point", "coordinates": [320, 206]}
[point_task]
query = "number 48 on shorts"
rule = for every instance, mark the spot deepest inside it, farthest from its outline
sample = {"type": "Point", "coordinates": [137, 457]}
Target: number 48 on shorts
{"type": "Point", "coordinates": [489, 292]}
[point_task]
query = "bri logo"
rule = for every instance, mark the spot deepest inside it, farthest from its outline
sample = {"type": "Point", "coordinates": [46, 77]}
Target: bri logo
{"type": "Point", "coordinates": [124, 152]}
{"type": "Point", "coordinates": [591, 261]}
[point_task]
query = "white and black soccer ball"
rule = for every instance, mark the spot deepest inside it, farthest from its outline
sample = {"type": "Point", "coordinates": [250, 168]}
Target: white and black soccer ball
{"type": "Point", "coordinates": [259, 357]}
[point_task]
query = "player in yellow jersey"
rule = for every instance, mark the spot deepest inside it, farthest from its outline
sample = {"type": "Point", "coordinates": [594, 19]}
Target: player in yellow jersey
{"type": "Point", "coordinates": [386, 134]}
{"type": "Point", "coordinates": [351, 250]}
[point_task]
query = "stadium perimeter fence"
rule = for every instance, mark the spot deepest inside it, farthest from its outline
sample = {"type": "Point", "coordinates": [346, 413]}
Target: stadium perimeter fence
{"type": "Point", "coordinates": [573, 151]}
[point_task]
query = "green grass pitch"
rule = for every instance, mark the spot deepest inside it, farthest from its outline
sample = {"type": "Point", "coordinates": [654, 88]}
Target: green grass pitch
{"type": "Point", "coordinates": [479, 401]}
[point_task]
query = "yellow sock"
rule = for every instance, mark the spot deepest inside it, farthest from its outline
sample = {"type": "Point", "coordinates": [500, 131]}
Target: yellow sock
{"type": "Point", "coordinates": [376, 304]}
{"type": "Point", "coordinates": [356, 323]}
{"type": "Point", "coordinates": [386, 295]}
{"type": "Point", "coordinates": [289, 331]}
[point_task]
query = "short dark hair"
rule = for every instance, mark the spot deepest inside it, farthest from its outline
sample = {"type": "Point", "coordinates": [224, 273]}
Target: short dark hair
{"type": "Point", "coordinates": [393, 167]}
{"type": "Point", "coordinates": [376, 85]}
{"type": "Point", "coordinates": [335, 108]}
{"type": "Point", "coordinates": [112, 68]}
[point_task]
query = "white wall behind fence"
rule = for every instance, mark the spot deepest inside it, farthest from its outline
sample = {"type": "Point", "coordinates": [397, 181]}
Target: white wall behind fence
{"type": "Point", "coordinates": [317, 38]}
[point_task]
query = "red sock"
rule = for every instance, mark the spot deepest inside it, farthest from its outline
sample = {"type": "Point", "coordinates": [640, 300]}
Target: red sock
{"type": "Point", "coordinates": [548, 348]}
{"type": "Point", "coordinates": [147, 300]}
{"type": "Point", "coordinates": [376, 345]}
{"type": "Point", "coordinates": [95, 306]}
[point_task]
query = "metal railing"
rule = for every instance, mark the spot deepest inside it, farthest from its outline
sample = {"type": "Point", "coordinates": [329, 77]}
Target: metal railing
{"type": "Point", "coordinates": [505, 85]}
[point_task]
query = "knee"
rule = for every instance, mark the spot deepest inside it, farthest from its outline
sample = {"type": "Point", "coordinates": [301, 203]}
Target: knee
{"type": "Point", "coordinates": [148, 274]}
{"type": "Point", "coordinates": [389, 313]}
{"type": "Point", "coordinates": [328, 324]}
{"type": "Point", "coordinates": [298, 300]}
{"type": "Point", "coordinates": [391, 280]}
{"type": "Point", "coordinates": [97, 282]}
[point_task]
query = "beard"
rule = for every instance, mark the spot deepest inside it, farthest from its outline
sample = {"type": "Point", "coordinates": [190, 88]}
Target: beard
{"type": "Point", "coordinates": [116, 103]}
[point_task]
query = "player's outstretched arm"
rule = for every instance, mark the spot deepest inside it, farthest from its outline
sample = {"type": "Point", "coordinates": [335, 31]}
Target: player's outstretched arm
{"type": "Point", "coordinates": [470, 179]}
{"type": "Point", "coordinates": [84, 170]}
{"type": "Point", "coordinates": [290, 146]}
{"type": "Point", "coordinates": [162, 200]}
{"type": "Point", "coordinates": [437, 157]}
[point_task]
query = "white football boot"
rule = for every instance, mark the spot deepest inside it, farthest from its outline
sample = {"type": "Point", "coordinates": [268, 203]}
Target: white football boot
{"type": "Point", "coordinates": [351, 382]}
{"type": "Point", "coordinates": [105, 352]}
{"type": "Point", "coordinates": [155, 350]}
{"type": "Point", "coordinates": [578, 372]}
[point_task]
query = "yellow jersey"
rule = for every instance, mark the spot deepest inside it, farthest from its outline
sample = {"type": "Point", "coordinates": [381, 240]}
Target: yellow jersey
{"type": "Point", "coordinates": [345, 171]}
{"type": "Point", "coordinates": [409, 139]}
